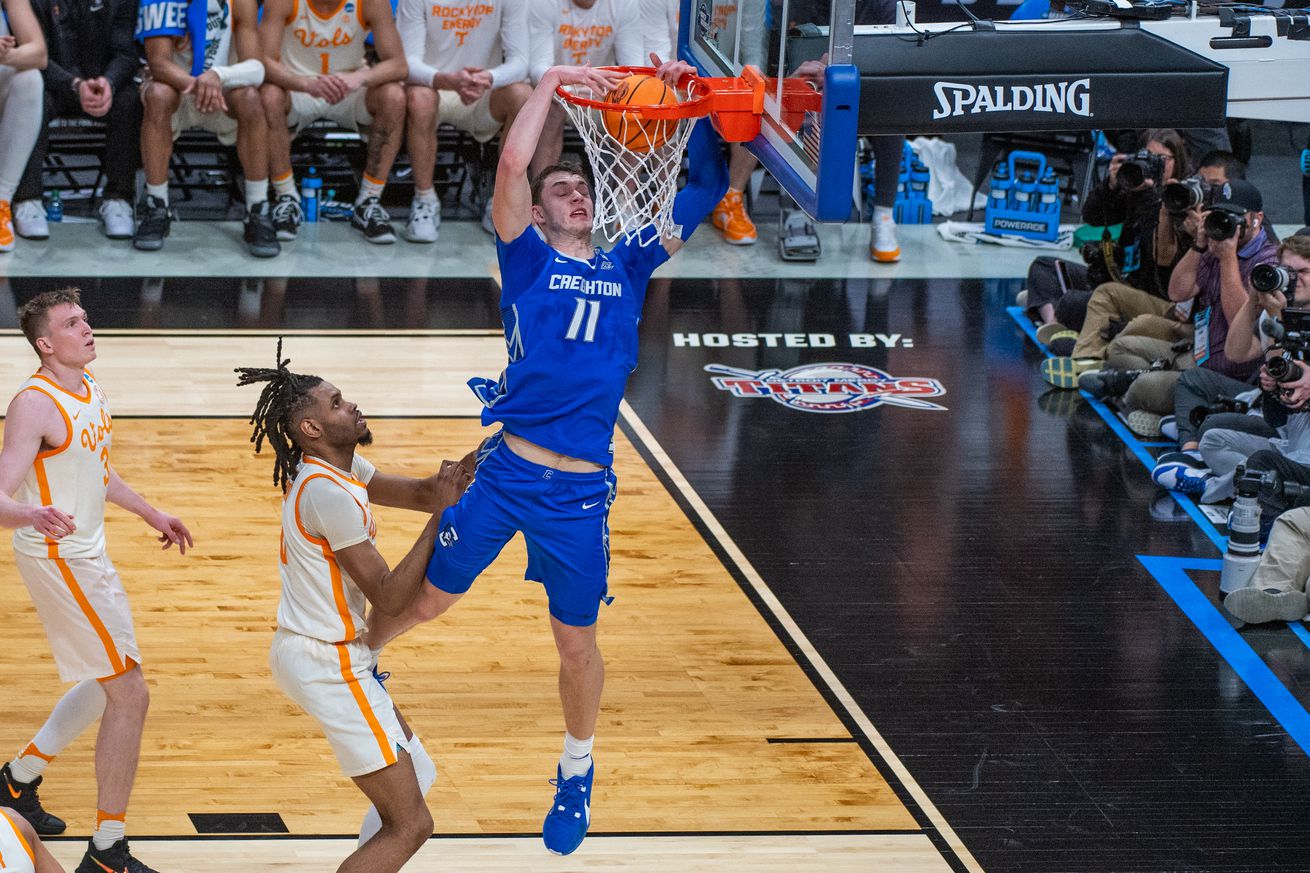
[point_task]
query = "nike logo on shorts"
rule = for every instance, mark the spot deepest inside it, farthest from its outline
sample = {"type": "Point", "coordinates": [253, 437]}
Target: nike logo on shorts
{"type": "Point", "coordinates": [590, 505]}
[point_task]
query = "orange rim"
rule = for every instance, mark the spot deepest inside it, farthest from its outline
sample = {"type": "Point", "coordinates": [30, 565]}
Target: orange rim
{"type": "Point", "coordinates": [693, 108]}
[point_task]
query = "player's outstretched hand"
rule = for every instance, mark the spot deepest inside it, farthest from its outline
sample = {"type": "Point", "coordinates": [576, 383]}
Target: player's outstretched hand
{"type": "Point", "coordinates": [671, 72]}
{"type": "Point", "coordinates": [50, 522]}
{"type": "Point", "coordinates": [599, 80]}
{"type": "Point", "coordinates": [172, 532]}
{"type": "Point", "coordinates": [453, 479]}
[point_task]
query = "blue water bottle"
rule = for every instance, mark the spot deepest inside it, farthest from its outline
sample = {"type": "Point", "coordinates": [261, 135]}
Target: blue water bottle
{"type": "Point", "coordinates": [55, 211]}
{"type": "Point", "coordinates": [1025, 183]}
{"type": "Point", "coordinates": [918, 180]}
{"type": "Point", "coordinates": [309, 188]}
{"type": "Point", "coordinates": [1001, 184]}
{"type": "Point", "coordinates": [1305, 162]}
{"type": "Point", "coordinates": [1049, 191]}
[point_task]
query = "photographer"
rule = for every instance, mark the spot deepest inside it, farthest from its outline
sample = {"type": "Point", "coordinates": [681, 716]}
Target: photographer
{"type": "Point", "coordinates": [1277, 589]}
{"type": "Point", "coordinates": [1059, 291]}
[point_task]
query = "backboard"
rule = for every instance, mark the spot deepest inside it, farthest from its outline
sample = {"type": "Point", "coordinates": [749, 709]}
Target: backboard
{"type": "Point", "coordinates": [808, 133]}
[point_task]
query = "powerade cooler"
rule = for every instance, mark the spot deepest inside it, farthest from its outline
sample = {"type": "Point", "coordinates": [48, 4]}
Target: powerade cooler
{"type": "Point", "coordinates": [1024, 199]}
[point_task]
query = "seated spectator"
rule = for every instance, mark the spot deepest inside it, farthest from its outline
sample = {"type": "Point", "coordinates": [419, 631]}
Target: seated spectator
{"type": "Point", "coordinates": [1278, 588]}
{"type": "Point", "coordinates": [1209, 458]}
{"type": "Point", "coordinates": [212, 86]}
{"type": "Point", "coordinates": [90, 74]}
{"type": "Point", "coordinates": [468, 69]}
{"type": "Point", "coordinates": [602, 33]}
{"type": "Point", "coordinates": [314, 68]}
{"type": "Point", "coordinates": [22, 55]}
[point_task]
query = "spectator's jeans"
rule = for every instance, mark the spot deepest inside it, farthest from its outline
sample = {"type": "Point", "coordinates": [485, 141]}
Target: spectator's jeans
{"type": "Point", "coordinates": [1113, 302]}
{"type": "Point", "coordinates": [1286, 561]}
{"type": "Point", "coordinates": [122, 154]}
{"type": "Point", "coordinates": [1228, 440]}
{"type": "Point", "coordinates": [1201, 387]}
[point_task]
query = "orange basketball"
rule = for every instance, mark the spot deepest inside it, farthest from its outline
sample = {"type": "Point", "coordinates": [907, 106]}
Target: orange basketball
{"type": "Point", "coordinates": [631, 130]}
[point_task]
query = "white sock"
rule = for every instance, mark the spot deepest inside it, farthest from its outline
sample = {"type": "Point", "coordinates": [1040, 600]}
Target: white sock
{"type": "Point", "coordinates": [428, 196]}
{"type": "Point", "coordinates": [109, 830]}
{"type": "Point", "coordinates": [369, 188]}
{"type": "Point", "coordinates": [425, 771]}
{"type": "Point", "coordinates": [286, 186]}
{"type": "Point", "coordinates": [883, 213]}
{"type": "Point", "coordinates": [256, 192]}
{"type": "Point", "coordinates": [576, 760]}
{"type": "Point", "coordinates": [77, 710]}
{"type": "Point", "coordinates": [159, 192]}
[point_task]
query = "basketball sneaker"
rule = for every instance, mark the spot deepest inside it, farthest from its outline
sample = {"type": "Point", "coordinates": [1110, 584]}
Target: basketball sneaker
{"type": "Point", "coordinates": [260, 235]}
{"type": "Point", "coordinates": [22, 798]}
{"type": "Point", "coordinates": [30, 221]}
{"type": "Point", "coordinates": [370, 219]}
{"type": "Point", "coordinates": [424, 221]}
{"type": "Point", "coordinates": [570, 813]}
{"type": "Point", "coordinates": [6, 227]}
{"type": "Point", "coordinates": [732, 221]}
{"type": "Point", "coordinates": [287, 217]}
{"type": "Point", "coordinates": [154, 225]}
{"type": "Point", "coordinates": [116, 859]}
{"type": "Point", "coordinates": [116, 219]}
{"type": "Point", "coordinates": [883, 245]}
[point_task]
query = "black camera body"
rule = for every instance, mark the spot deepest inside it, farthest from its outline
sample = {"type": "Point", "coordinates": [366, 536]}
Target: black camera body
{"type": "Point", "coordinates": [1144, 165]}
{"type": "Point", "coordinates": [1273, 489]}
{"type": "Point", "coordinates": [1271, 278]}
{"type": "Point", "coordinates": [1222, 224]}
{"type": "Point", "coordinates": [1224, 404]}
{"type": "Point", "coordinates": [1295, 345]}
{"type": "Point", "coordinates": [1178, 197]}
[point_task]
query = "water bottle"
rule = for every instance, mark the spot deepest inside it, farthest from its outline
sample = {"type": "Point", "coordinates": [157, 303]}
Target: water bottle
{"type": "Point", "coordinates": [1305, 162]}
{"type": "Point", "coordinates": [1049, 189]}
{"type": "Point", "coordinates": [918, 180]}
{"type": "Point", "coordinates": [1001, 184]}
{"type": "Point", "coordinates": [1243, 553]}
{"type": "Point", "coordinates": [309, 188]}
{"type": "Point", "coordinates": [55, 211]}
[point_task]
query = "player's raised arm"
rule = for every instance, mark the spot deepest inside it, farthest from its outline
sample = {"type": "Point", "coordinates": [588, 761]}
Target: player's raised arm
{"type": "Point", "coordinates": [421, 495]}
{"type": "Point", "coordinates": [512, 203]}
{"type": "Point", "coordinates": [30, 421]}
{"type": "Point", "coordinates": [707, 171]}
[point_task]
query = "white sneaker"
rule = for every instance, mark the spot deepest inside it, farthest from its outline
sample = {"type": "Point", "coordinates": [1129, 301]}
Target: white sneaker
{"type": "Point", "coordinates": [424, 219]}
{"type": "Point", "coordinates": [488, 223]}
{"type": "Point", "coordinates": [883, 246]}
{"type": "Point", "coordinates": [116, 219]}
{"type": "Point", "coordinates": [30, 221]}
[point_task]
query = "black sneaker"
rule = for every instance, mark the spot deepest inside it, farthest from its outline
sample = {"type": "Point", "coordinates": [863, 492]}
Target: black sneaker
{"type": "Point", "coordinates": [116, 859]}
{"type": "Point", "coordinates": [152, 225]}
{"type": "Point", "coordinates": [261, 235]}
{"type": "Point", "coordinates": [22, 798]}
{"type": "Point", "coordinates": [1108, 382]}
{"type": "Point", "coordinates": [370, 219]}
{"type": "Point", "coordinates": [287, 217]}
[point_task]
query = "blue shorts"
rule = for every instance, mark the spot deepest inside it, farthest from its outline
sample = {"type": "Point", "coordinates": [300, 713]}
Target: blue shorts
{"type": "Point", "coordinates": [564, 518]}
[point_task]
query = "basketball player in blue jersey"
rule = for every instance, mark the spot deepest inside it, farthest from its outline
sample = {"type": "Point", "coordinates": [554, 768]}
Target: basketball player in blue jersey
{"type": "Point", "coordinates": [570, 312]}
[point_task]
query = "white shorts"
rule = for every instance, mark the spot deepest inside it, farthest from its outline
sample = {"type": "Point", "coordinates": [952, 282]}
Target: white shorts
{"type": "Point", "coordinates": [334, 683]}
{"type": "Point", "coordinates": [475, 119]}
{"type": "Point", "coordinates": [306, 109]}
{"type": "Point", "coordinates": [86, 615]}
{"type": "Point", "coordinates": [188, 117]}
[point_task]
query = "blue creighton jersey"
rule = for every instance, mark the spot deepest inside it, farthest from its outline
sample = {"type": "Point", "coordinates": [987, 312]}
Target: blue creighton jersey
{"type": "Point", "coordinates": [571, 331]}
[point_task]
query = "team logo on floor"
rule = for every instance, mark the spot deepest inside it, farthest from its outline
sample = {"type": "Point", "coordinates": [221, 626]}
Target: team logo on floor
{"type": "Point", "coordinates": [829, 387]}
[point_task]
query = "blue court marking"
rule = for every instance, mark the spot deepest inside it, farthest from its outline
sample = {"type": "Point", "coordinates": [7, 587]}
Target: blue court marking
{"type": "Point", "coordinates": [1171, 573]}
{"type": "Point", "coordinates": [1160, 445]}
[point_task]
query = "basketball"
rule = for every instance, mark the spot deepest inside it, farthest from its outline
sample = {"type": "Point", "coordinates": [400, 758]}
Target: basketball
{"type": "Point", "coordinates": [632, 131]}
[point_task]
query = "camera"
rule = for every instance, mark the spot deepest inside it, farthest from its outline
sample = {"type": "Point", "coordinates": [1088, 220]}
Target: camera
{"type": "Point", "coordinates": [1295, 345]}
{"type": "Point", "coordinates": [1144, 165]}
{"type": "Point", "coordinates": [1178, 197]}
{"type": "Point", "coordinates": [1271, 278]}
{"type": "Point", "coordinates": [1273, 489]}
{"type": "Point", "coordinates": [1222, 224]}
{"type": "Point", "coordinates": [1224, 404]}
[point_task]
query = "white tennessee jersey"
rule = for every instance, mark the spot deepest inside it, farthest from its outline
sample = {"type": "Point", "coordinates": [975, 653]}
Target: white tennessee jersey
{"type": "Point", "coordinates": [324, 511]}
{"type": "Point", "coordinates": [15, 852]}
{"type": "Point", "coordinates": [72, 477]}
{"type": "Point", "coordinates": [218, 39]}
{"type": "Point", "coordinates": [607, 34]}
{"type": "Point", "coordinates": [448, 35]}
{"type": "Point", "coordinates": [317, 45]}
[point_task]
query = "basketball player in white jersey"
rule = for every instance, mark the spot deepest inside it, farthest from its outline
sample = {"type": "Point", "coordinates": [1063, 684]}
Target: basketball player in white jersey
{"type": "Point", "coordinates": [314, 67]}
{"type": "Point", "coordinates": [330, 569]}
{"type": "Point", "coordinates": [55, 476]}
{"type": "Point", "coordinates": [468, 66]}
{"type": "Point", "coordinates": [600, 33]}
{"type": "Point", "coordinates": [213, 86]}
{"type": "Point", "coordinates": [20, 849]}
{"type": "Point", "coordinates": [22, 57]}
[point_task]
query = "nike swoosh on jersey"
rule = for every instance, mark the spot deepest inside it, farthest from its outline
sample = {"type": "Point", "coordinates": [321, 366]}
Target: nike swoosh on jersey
{"type": "Point", "coordinates": [76, 414]}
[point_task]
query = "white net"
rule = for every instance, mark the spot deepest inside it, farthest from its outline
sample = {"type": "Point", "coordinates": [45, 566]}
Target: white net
{"type": "Point", "coordinates": [635, 160]}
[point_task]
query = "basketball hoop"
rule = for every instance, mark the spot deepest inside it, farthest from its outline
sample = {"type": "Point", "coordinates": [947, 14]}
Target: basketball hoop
{"type": "Point", "coordinates": [635, 148]}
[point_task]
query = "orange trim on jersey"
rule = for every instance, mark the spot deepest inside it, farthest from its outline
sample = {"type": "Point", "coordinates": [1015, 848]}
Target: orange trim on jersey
{"type": "Point", "coordinates": [331, 15]}
{"type": "Point", "coordinates": [22, 839]}
{"type": "Point", "coordinates": [35, 753]}
{"type": "Point", "coordinates": [68, 423]}
{"type": "Point", "coordinates": [43, 488]}
{"type": "Point", "coordinates": [338, 584]}
{"type": "Point", "coordinates": [359, 15]}
{"type": "Point", "coordinates": [105, 639]}
{"type": "Point", "coordinates": [295, 10]}
{"type": "Point", "coordinates": [388, 753]}
{"type": "Point", "coordinates": [331, 469]}
{"type": "Point", "coordinates": [86, 399]}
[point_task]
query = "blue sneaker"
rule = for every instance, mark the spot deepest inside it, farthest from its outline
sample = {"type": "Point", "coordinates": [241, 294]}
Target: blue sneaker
{"type": "Point", "coordinates": [570, 813]}
{"type": "Point", "coordinates": [1182, 472]}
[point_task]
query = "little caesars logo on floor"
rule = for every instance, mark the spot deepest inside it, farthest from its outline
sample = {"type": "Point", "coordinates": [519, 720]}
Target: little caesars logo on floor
{"type": "Point", "coordinates": [1060, 98]}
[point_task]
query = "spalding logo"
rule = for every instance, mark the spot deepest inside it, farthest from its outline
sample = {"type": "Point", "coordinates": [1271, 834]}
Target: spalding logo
{"type": "Point", "coordinates": [1062, 98]}
{"type": "Point", "coordinates": [829, 387]}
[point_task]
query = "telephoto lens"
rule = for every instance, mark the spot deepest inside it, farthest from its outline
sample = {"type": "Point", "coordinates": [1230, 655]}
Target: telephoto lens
{"type": "Point", "coordinates": [1220, 224]}
{"type": "Point", "coordinates": [1283, 369]}
{"type": "Point", "coordinates": [1270, 278]}
{"type": "Point", "coordinates": [1178, 197]}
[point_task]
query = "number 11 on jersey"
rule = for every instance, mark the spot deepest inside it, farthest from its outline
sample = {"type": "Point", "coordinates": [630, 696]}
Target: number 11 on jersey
{"type": "Point", "coordinates": [590, 310]}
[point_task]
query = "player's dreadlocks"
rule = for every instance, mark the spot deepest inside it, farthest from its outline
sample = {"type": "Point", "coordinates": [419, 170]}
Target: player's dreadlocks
{"type": "Point", "coordinates": [285, 394]}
